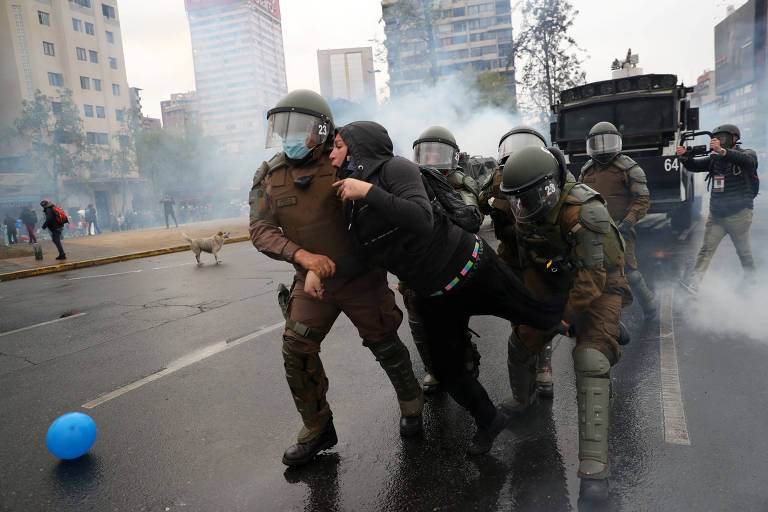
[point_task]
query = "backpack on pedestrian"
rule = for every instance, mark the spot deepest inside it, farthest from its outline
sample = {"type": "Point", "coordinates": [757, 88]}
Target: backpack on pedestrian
{"type": "Point", "coordinates": [446, 200]}
{"type": "Point", "coordinates": [60, 216]}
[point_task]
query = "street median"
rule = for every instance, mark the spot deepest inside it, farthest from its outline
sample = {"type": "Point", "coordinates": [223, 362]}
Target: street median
{"type": "Point", "coordinates": [62, 267]}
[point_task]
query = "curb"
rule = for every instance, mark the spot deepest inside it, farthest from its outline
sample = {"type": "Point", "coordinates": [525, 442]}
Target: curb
{"type": "Point", "coordinates": [31, 272]}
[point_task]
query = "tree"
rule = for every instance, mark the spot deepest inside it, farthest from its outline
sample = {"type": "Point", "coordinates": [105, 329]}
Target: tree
{"type": "Point", "coordinates": [53, 132]}
{"type": "Point", "coordinates": [551, 55]}
{"type": "Point", "coordinates": [491, 89]}
{"type": "Point", "coordinates": [123, 155]}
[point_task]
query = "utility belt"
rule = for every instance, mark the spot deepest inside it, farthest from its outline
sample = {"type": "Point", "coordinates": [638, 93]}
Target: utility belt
{"type": "Point", "coordinates": [284, 299]}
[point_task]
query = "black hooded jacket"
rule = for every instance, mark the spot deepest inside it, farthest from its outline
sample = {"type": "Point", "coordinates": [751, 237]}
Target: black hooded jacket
{"type": "Point", "coordinates": [394, 226]}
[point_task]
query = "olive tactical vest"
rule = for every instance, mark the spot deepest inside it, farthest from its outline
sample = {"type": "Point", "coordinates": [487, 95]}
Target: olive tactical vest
{"type": "Point", "coordinates": [542, 245]}
{"type": "Point", "coordinates": [612, 182]}
{"type": "Point", "coordinates": [311, 217]}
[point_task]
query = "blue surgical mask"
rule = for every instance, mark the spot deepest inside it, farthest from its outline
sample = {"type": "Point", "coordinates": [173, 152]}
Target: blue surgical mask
{"type": "Point", "coordinates": [295, 148]}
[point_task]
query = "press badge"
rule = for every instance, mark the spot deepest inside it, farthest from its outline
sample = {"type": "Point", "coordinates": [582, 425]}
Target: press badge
{"type": "Point", "coordinates": [718, 183]}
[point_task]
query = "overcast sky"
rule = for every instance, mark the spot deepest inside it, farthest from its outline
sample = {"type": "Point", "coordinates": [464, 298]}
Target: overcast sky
{"type": "Point", "coordinates": [671, 36]}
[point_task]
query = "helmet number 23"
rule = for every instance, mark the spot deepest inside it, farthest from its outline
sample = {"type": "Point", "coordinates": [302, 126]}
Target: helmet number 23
{"type": "Point", "coordinates": [322, 129]}
{"type": "Point", "coordinates": [671, 163]}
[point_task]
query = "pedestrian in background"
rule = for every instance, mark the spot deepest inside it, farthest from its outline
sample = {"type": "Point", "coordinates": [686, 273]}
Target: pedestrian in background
{"type": "Point", "coordinates": [92, 220]}
{"type": "Point", "coordinates": [168, 203]}
{"type": "Point", "coordinates": [54, 221]}
{"type": "Point", "coordinates": [10, 224]}
{"type": "Point", "coordinates": [732, 178]}
{"type": "Point", "coordinates": [29, 218]}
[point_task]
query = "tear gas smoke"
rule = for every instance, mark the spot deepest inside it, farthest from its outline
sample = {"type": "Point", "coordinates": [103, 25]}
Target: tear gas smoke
{"type": "Point", "coordinates": [450, 104]}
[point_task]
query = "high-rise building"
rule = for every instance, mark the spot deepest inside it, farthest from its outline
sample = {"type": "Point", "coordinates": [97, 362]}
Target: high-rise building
{"type": "Point", "coordinates": [237, 47]}
{"type": "Point", "coordinates": [180, 113]}
{"type": "Point", "coordinates": [347, 73]}
{"type": "Point", "coordinates": [51, 46]}
{"type": "Point", "coordinates": [426, 41]}
{"type": "Point", "coordinates": [741, 59]}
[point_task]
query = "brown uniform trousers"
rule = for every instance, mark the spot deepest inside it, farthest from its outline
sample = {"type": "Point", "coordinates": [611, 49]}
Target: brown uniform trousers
{"type": "Point", "coordinates": [286, 218]}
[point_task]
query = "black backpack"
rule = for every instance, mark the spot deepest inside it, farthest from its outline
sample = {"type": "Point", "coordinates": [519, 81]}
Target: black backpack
{"type": "Point", "coordinates": [753, 181]}
{"type": "Point", "coordinates": [446, 201]}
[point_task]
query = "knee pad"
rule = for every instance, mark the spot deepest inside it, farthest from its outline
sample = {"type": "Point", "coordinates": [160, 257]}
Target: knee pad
{"type": "Point", "coordinates": [590, 362]}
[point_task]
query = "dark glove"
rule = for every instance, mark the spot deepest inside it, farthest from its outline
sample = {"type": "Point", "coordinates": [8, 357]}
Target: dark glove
{"type": "Point", "coordinates": [560, 329]}
{"type": "Point", "coordinates": [625, 228]}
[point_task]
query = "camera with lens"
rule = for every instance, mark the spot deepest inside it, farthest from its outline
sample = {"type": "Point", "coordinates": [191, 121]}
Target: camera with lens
{"type": "Point", "coordinates": [693, 151]}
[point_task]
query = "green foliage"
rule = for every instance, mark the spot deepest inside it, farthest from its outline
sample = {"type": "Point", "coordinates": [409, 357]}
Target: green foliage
{"type": "Point", "coordinates": [491, 89]}
{"type": "Point", "coordinates": [52, 133]}
{"type": "Point", "coordinates": [551, 55]}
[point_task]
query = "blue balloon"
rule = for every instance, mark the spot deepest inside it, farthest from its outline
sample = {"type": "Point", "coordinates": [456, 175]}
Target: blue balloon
{"type": "Point", "coordinates": [71, 435]}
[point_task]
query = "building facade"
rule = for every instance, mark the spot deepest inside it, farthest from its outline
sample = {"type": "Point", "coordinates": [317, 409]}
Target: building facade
{"type": "Point", "coordinates": [427, 41]}
{"type": "Point", "coordinates": [348, 74]}
{"type": "Point", "coordinates": [52, 46]}
{"type": "Point", "coordinates": [181, 113]}
{"type": "Point", "coordinates": [741, 85]}
{"type": "Point", "coordinates": [239, 64]}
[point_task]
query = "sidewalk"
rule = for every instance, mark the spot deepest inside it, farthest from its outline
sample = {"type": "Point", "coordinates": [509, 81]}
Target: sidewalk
{"type": "Point", "coordinates": [122, 243]}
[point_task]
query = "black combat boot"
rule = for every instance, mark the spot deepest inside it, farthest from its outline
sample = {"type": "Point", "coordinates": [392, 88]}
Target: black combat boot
{"type": "Point", "coordinates": [593, 494]}
{"type": "Point", "coordinates": [484, 437]}
{"type": "Point", "coordinates": [303, 452]}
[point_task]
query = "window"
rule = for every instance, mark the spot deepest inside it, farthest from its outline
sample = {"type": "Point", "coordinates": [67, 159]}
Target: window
{"type": "Point", "coordinates": [44, 18]}
{"type": "Point", "coordinates": [119, 114]}
{"type": "Point", "coordinates": [77, 25]}
{"type": "Point", "coordinates": [96, 84]}
{"type": "Point", "coordinates": [88, 110]}
{"type": "Point", "coordinates": [110, 36]}
{"type": "Point", "coordinates": [100, 112]}
{"type": "Point", "coordinates": [55, 79]}
{"type": "Point", "coordinates": [113, 63]}
{"type": "Point", "coordinates": [89, 28]}
{"type": "Point", "coordinates": [85, 82]}
{"type": "Point", "coordinates": [94, 56]}
{"type": "Point", "coordinates": [81, 54]}
{"type": "Point", "coordinates": [48, 48]}
{"type": "Point", "coordinates": [457, 12]}
{"type": "Point", "coordinates": [116, 89]}
{"type": "Point", "coordinates": [84, 3]}
{"type": "Point", "coordinates": [96, 138]}
{"type": "Point", "coordinates": [108, 11]}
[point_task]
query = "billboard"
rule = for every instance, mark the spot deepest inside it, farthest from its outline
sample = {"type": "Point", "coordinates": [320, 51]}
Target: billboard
{"type": "Point", "coordinates": [735, 48]}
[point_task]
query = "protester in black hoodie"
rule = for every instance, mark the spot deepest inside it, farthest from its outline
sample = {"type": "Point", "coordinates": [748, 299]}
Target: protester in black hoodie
{"type": "Point", "coordinates": [455, 274]}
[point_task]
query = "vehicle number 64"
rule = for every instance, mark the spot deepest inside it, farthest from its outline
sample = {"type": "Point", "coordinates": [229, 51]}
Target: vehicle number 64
{"type": "Point", "coordinates": [671, 163]}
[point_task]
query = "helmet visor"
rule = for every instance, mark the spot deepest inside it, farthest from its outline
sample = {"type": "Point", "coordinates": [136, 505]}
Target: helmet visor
{"type": "Point", "coordinates": [603, 146]}
{"type": "Point", "coordinates": [517, 141]}
{"type": "Point", "coordinates": [436, 154]}
{"type": "Point", "coordinates": [536, 201]}
{"type": "Point", "coordinates": [295, 127]}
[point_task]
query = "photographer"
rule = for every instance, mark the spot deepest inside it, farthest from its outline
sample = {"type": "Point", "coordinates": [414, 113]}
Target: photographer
{"type": "Point", "coordinates": [732, 178]}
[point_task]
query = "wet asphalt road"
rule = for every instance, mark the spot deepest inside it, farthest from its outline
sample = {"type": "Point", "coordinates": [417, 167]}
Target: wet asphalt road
{"type": "Point", "coordinates": [208, 433]}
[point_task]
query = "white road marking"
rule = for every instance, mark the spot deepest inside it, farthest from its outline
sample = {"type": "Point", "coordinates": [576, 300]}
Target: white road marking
{"type": "Point", "coordinates": [41, 324]}
{"type": "Point", "coordinates": [174, 266]}
{"type": "Point", "coordinates": [675, 426]}
{"type": "Point", "coordinates": [185, 361]}
{"type": "Point", "coordinates": [104, 275]}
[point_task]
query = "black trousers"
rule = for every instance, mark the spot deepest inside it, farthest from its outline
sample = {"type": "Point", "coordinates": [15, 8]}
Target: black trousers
{"type": "Point", "coordinates": [490, 288]}
{"type": "Point", "coordinates": [170, 212]}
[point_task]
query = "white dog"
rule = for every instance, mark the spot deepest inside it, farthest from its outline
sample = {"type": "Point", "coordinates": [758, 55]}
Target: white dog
{"type": "Point", "coordinates": [212, 245]}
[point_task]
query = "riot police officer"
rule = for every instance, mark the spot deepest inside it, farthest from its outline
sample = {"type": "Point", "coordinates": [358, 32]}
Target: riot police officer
{"type": "Point", "coordinates": [297, 217]}
{"type": "Point", "coordinates": [623, 184]}
{"type": "Point", "coordinates": [732, 175]}
{"type": "Point", "coordinates": [570, 249]}
{"type": "Point", "coordinates": [495, 204]}
{"type": "Point", "coordinates": [436, 147]}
